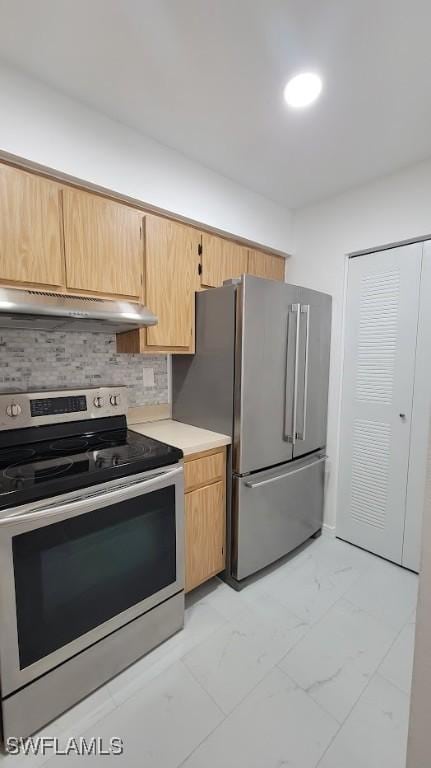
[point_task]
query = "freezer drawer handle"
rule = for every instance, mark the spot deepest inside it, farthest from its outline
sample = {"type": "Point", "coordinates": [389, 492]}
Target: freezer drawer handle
{"type": "Point", "coordinates": [259, 483]}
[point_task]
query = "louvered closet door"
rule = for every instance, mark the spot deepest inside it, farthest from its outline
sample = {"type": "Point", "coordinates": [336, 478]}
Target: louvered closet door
{"type": "Point", "coordinates": [379, 359]}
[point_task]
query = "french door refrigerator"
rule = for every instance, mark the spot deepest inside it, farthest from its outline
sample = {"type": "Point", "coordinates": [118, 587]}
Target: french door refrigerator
{"type": "Point", "coordinates": [260, 374]}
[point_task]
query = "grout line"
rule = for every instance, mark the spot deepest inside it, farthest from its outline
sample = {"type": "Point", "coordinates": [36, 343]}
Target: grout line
{"type": "Point", "coordinates": [224, 718]}
{"type": "Point", "coordinates": [376, 618]}
{"type": "Point", "coordinates": [394, 685]}
{"type": "Point", "coordinates": [373, 676]}
{"type": "Point", "coordinates": [202, 687]}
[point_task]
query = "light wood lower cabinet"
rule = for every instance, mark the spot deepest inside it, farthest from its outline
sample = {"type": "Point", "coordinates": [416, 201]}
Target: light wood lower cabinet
{"type": "Point", "coordinates": [31, 251]}
{"type": "Point", "coordinates": [205, 516]}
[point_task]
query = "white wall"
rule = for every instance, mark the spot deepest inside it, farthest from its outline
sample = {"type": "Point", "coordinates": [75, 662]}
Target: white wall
{"type": "Point", "coordinates": [43, 126]}
{"type": "Point", "coordinates": [389, 210]}
{"type": "Point", "coordinates": [418, 750]}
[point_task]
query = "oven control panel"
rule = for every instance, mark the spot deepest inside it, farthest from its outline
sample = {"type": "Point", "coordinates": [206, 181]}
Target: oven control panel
{"type": "Point", "coordinates": [57, 406]}
{"type": "Point", "coordinates": [32, 409]}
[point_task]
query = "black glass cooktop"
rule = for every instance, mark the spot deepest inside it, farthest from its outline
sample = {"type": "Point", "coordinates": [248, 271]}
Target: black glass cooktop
{"type": "Point", "coordinates": [41, 462]}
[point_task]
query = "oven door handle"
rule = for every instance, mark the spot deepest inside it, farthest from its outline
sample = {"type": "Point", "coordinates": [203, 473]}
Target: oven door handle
{"type": "Point", "coordinates": [91, 501]}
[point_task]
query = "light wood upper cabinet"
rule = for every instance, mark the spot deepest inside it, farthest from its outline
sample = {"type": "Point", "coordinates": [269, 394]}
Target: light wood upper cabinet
{"type": "Point", "coordinates": [266, 265]}
{"type": "Point", "coordinates": [30, 229]}
{"type": "Point", "coordinates": [171, 279]}
{"type": "Point", "coordinates": [56, 236]}
{"type": "Point", "coordinates": [103, 245]}
{"type": "Point", "coordinates": [221, 260]}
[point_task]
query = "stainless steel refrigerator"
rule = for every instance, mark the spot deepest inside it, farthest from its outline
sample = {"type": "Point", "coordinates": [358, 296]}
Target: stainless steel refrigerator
{"type": "Point", "coordinates": [260, 374]}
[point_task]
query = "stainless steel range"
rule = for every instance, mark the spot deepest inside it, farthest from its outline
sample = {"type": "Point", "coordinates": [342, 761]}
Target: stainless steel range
{"type": "Point", "coordinates": [91, 549]}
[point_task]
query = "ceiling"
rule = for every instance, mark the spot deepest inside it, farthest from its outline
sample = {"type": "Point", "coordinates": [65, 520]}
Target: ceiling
{"type": "Point", "coordinates": [206, 77]}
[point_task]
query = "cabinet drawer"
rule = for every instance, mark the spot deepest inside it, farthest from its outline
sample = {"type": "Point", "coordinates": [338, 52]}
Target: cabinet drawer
{"type": "Point", "coordinates": [204, 470]}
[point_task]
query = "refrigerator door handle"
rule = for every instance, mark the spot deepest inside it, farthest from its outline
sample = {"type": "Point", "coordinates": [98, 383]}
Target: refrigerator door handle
{"type": "Point", "coordinates": [305, 309]}
{"type": "Point", "coordinates": [290, 429]}
{"type": "Point", "coordinates": [259, 483]}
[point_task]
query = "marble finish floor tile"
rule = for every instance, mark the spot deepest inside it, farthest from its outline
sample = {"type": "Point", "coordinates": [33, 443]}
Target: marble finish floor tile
{"type": "Point", "coordinates": [336, 659]}
{"type": "Point", "coordinates": [160, 726]}
{"type": "Point", "coordinates": [217, 594]}
{"type": "Point", "coordinates": [74, 722]}
{"type": "Point", "coordinates": [397, 667]}
{"type": "Point", "coordinates": [238, 655]}
{"type": "Point", "coordinates": [387, 591]}
{"type": "Point", "coordinates": [318, 580]}
{"type": "Point", "coordinates": [375, 733]}
{"type": "Point", "coordinates": [276, 726]}
{"type": "Point", "coordinates": [200, 621]}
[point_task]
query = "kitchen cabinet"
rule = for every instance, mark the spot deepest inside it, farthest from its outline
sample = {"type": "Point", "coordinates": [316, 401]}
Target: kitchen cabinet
{"type": "Point", "coordinates": [56, 236]}
{"type": "Point", "coordinates": [103, 243]}
{"type": "Point", "coordinates": [171, 270]}
{"type": "Point", "coordinates": [200, 471]}
{"type": "Point", "coordinates": [221, 260]}
{"type": "Point", "coordinates": [30, 230]}
{"type": "Point", "coordinates": [205, 516]}
{"type": "Point", "coordinates": [266, 265]}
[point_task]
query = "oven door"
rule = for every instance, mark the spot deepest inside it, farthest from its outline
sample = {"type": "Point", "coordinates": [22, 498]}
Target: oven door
{"type": "Point", "coordinates": [78, 568]}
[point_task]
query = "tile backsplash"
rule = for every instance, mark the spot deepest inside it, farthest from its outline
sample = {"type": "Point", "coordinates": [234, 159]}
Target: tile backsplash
{"type": "Point", "coordinates": [40, 360]}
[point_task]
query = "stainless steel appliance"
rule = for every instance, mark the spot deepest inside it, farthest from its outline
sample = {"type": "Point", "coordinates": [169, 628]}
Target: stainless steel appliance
{"type": "Point", "coordinates": [47, 310]}
{"type": "Point", "coordinates": [260, 374]}
{"type": "Point", "coordinates": [91, 549]}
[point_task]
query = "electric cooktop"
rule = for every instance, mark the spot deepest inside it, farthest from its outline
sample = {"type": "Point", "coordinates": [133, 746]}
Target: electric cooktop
{"type": "Point", "coordinates": [45, 461]}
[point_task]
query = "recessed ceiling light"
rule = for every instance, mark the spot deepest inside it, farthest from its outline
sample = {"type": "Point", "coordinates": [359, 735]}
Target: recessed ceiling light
{"type": "Point", "coordinates": [303, 89]}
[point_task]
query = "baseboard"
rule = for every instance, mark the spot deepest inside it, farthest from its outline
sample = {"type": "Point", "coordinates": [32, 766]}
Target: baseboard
{"type": "Point", "coordinates": [328, 530]}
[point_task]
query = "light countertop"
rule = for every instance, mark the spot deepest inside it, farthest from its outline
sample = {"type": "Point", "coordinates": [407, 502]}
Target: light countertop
{"type": "Point", "coordinates": [190, 439]}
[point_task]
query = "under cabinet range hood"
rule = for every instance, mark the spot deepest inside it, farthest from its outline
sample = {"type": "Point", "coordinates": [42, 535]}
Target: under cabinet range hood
{"type": "Point", "coordinates": [46, 310]}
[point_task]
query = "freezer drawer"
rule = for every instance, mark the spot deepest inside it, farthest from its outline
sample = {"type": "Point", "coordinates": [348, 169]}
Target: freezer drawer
{"type": "Point", "coordinates": [275, 511]}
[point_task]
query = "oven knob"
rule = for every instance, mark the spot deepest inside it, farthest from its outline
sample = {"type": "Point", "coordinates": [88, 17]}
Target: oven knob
{"type": "Point", "coordinates": [99, 401]}
{"type": "Point", "coordinates": [114, 400]}
{"type": "Point", "coordinates": [13, 410]}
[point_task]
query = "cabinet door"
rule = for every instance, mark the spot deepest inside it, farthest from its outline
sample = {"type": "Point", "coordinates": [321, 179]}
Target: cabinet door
{"type": "Point", "coordinates": [266, 265]}
{"type": "Point", "coordinates": [30, 222]}
{"type": "Point", "coordinates": [103, 245]}
{"type": "Point", "coordinates": [205, 525]}
{"type": "Point", "coordinates": [171, 279]}
{"type": "Point", "coordinates": [221, 260]}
